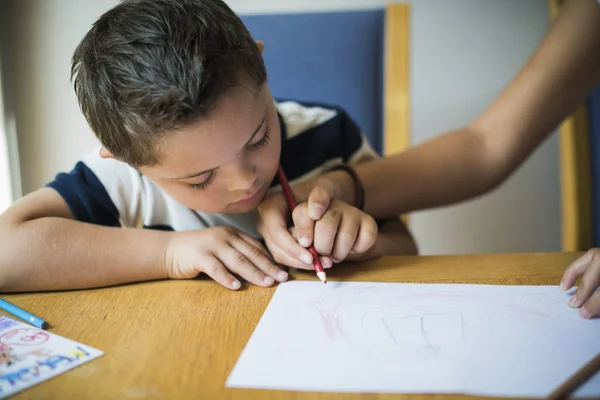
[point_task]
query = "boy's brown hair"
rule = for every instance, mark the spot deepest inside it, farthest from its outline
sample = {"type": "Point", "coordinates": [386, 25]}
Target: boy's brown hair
{"type": "Point", "coordinates": [149, 66]}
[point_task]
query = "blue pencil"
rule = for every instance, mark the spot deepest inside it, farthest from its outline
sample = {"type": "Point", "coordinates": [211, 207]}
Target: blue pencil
{"type": "Point", "coordinates": [24, 315]}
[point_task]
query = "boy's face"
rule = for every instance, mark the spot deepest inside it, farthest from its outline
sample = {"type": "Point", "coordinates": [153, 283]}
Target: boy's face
{"type": "Point", "coordinates": [226, 162]}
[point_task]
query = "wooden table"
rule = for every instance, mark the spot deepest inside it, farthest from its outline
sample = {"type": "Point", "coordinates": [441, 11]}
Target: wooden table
{"type": "Point", "coordinates": [180, 339]}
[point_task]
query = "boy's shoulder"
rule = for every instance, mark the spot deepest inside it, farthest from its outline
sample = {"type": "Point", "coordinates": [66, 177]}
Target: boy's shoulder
{"type": "Point", "coordinates": [317, 136]}
{"type": "Point", "coordinates": [102, 191]}
{"type": "Point", "coordinates": [299, 116]}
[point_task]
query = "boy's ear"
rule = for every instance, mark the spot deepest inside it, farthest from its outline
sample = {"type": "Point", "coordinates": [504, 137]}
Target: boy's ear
{"type": "Point", "coordinates": [260, 45]}
{"type": "Point", "coordinates": [104, 153]}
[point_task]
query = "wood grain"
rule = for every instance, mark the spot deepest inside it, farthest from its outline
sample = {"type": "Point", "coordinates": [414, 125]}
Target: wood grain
{"type": "Point", "coordinates": [575, 174]}
{"type": "Point", "coordinates": [396, 99]}
{"type": "Point", "coordinates": [180, 339]}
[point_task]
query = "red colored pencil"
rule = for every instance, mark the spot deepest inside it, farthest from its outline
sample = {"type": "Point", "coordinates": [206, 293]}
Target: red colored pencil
{"type": "Point", "coordinates": [289, 197]}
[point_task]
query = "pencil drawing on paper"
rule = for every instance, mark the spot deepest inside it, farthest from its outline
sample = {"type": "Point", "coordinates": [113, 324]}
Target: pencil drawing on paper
{"type": "Point", "coordinates": [392, 325]}
{"type": "Point", "coordinates": [428, 333]}
{"type": "Point", "coordinates": [376, 322]}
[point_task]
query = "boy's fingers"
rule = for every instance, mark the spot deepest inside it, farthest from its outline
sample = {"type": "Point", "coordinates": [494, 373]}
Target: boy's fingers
{"type": "Point", "coordinates": [345, 238]}
{"type": "Point", "coordinates": [591, 308]}
{"type": "Point", "coordinates": [255, 265]}
{"type": "Point", "coordinates": [214, 268]}
{"type": "Point", "coordinates": [304, 225]}
{"type": "Point", "coordinates": [273, 228]}
{"type": "Point", "coordinates": [284, 259]}
{"type": "Point", "coordinates": [326, 230]}
{"type": "Point", "coordinates": [367, 235]}
{"type": "Point", "coordinates": [326, 262]}
{"type": "Point", "coordinates": [319, 199]}
{"type": "Point", "coordinates": [240, 264]}
{"type": "Point", "coordinates": [254, 243]}
{"type": "Point", "coordinates": [577, 268]}
{"type": "Point", "coordinates": [589, 284]}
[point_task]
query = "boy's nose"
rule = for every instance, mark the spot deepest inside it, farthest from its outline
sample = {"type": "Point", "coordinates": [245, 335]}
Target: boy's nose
{"type": "Point", "coordinates": [242, 177]}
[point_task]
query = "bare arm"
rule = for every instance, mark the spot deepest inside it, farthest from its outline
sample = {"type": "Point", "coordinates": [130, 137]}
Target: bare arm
{"type": "Point", "coordinates": [471, 161]}
{"type": "Point", "coordinates": [43, 248]}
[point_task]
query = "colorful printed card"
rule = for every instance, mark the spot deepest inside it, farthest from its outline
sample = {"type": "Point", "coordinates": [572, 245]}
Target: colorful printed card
{"type": "Point", "coordinates": [29, 355]}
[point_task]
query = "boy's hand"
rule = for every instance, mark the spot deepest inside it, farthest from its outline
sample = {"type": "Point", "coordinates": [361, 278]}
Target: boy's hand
{"type": "Point", "coordinates": [335, 228]}
{"type": "Point", "coordinates": [217, 252]}
{"type": "Point", "coordinates": [343, 230]}
{"type": "Point", "coordinates": [585, 297]}
{"type": "Point", "coordinates": [274, 216]}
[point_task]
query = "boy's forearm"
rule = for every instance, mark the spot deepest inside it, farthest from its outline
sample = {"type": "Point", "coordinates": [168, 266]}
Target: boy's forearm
{"type": "Point", "coordinates": [58, 253]}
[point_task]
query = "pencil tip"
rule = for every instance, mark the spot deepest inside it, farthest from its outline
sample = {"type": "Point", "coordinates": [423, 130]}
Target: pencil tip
{"type": "Point", "coordinates": [322, 276]}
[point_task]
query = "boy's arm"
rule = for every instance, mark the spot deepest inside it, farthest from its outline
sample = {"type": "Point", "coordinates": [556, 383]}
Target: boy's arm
{"type": "Point", "coordinates": [43, 248]}
{"type": "Point", "coordinates": [474, 160]}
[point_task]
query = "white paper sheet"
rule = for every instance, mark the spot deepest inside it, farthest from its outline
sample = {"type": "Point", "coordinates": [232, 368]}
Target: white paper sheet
{"type": "Point", "coordinates": [29, 355]}
{"type": "Point", "coordinates": [418, 338]}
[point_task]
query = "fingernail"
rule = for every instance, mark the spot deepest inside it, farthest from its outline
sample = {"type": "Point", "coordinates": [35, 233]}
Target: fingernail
{"type": "Point", "coordinates": [269, 280]}
{"type": "Point", "coordinates": [562, 286]}
{"type": "Point", "coordinates": [304, 242]}
{"type": "Point", "coordinates": [316, 211]}
{"type": "Point", "coordinates": [573, 302]}
{"type": "Point", "coordinates": [306, 258]}
{"type": "Point", "coordinates": [282, 275]}
{"type": "Point", "coordinates": [584, 312]}
{"type": "Point", "coordinates": [236, 284]}
{"type": "Point", "coordinates": [326, 262]}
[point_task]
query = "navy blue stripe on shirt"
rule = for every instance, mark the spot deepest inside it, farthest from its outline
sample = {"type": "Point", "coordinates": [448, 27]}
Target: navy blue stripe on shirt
{"type": "Point", "coordinates": [338, 137]}
{"type": "Point", "coordinates": [166, 228]}
{"type": "Point", "coordinates": [86, 196]}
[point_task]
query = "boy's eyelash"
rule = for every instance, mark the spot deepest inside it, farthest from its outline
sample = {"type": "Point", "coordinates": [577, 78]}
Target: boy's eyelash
{"type": "Point", "coordinates": [203, 185]}
{"type": "Point", "coordinates": [261, 142]}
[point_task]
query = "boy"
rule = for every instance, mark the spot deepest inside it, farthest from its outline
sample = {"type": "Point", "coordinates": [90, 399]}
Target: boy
{"type": "Point", "coordinates": [191, 140]}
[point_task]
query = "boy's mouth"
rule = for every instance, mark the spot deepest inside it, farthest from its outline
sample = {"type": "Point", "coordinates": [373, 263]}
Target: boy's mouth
{"type": "Point", "coordinates": [251, 198]}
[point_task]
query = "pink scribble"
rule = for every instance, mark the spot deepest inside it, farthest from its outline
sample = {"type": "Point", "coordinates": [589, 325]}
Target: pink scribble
{"type": "Point", "coordinates": [329, 323]}
{"type": "Point", "coordinates": [24, 337]}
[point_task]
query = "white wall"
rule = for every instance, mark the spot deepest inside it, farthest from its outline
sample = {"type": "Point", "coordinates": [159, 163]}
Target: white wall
{"type": "Point", "coordinates": [52, 132]}
{"type": "Point", "coordinates": [463, 53]}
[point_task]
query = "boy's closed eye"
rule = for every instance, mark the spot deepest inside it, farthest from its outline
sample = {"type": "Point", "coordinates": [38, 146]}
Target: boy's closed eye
{"type": "Point", "coordinates": [205, 183]}
{"type": "Point", "coordinates": [252, 145]}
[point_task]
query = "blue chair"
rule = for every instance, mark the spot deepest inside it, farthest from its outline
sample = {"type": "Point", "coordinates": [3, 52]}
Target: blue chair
{"type": "Point", "coordinates": [327, 57]}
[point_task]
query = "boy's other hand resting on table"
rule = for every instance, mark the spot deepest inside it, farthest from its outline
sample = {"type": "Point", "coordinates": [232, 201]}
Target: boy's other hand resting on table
{"type": "Point", "coordinates": [219, 252]}
{"type": "Point", "coordinates": [586, 297]}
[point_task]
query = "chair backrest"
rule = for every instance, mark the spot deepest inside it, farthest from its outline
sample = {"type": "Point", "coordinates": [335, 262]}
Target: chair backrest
{"type": "Point", "coordinates": [327, 57]}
